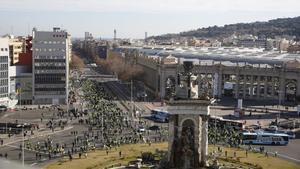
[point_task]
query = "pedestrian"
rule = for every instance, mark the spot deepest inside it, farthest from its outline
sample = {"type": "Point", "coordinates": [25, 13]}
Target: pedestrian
{"type": "Point", "coordinates": [266, 154]}
{"type": "Point", "coordinates": [79, 154]}
{"type": "Point", "coordinates": [106, 152]}
{"type": "Point", "coordinates": [20, 155]}
{"type": "Point", "coordinates": [120, 154]}
{"type": "Point", "coordinates": [275, 154]}
{"type": "Point", "coordinates": [246, 153]}
{"type": "Point", "coordinates": [226, 154]}
{"type": "Point", "coordinates": [5, 155]}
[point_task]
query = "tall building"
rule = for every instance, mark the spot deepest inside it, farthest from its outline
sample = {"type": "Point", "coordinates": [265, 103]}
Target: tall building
{"type": "Point", "coordinates": [88, 36]}
{"type": "Point", "coordinates": [115, 34]}
{"type": "Point", "coordinates": [4, 67]}
{"type": "Point", "coordinates": [51, 52]}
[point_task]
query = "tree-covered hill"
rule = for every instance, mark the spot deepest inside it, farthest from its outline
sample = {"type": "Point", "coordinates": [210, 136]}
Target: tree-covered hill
{"type": "Point", "coordinates": [270, 29]}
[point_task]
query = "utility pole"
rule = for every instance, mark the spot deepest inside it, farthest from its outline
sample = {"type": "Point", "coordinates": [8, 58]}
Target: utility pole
{"type": "Point", "coordinates": [23, 146]}
{"type": "Point", "coordinates": [102, 127]}
{"type": "Point", "coordinates": [131, 97]}
{"type": "Point", "coordinates": [20, 96]}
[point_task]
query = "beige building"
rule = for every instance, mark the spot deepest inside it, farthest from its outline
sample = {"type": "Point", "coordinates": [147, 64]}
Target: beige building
{"type": "Point", "coordinates": [16, 46]}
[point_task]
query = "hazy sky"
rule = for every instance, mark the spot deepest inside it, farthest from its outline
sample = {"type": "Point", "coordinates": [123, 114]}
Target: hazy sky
{"type": "Point", "coordinates": [132, 18]}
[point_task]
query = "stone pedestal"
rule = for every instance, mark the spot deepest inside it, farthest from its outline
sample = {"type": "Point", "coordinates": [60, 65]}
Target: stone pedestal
{"type": "Point", "coordinates": [188, 133]}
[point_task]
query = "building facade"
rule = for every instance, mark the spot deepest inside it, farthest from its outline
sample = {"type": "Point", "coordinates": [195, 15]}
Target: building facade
{"type": "Point", "coordinates": [244, 73]}
{"type": "Point", "coordinates": [51, 52]}
{"type": "Point", "coordinates": [4, 67]}
{"type": "Point", "coordinates": [16, 47]}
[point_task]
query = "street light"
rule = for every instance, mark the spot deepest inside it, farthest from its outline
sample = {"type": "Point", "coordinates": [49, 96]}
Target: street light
{"type": "Point", "coordinates": [131, 96]}
{"type": "Point", "coordinates": [23, 146]}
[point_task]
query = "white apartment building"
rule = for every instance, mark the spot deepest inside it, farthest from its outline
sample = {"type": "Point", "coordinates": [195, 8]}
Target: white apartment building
{"type": "Point", "coordinates": [51, 52]}
{"type": "Point", "coordinates": [4, 67]}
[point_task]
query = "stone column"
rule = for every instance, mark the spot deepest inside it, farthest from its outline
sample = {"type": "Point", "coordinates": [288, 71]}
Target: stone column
{"type": "Point", "coordinates": [198, 141]}
{"type": "Point", "coordinates": [273, 88]}
{"type": "Point", "coordinates": [281, 94]}
{"type": "Point", "coordinates": [237, 84]}
{"type": "Point", "coordinates": [162, 83]}
{"type": "Point", "coordinates": [220, 86]}
{"type": "Point", "coordinates": [204, 141]}
{"type": "Point", "coordinates": [244, 86]}
{"type": "Point", "coordinates": [172, 132]}
{"type": "Point", "coordinates": [265, 87]}
{"type": "Point", "coordinates": [258, 87]}
{"type": "Point", "coordinates": [298, 86]}
{"type": "Point", "coordinates": [157, 80]}
{"type": "Point", "coordinates": [251, 86]}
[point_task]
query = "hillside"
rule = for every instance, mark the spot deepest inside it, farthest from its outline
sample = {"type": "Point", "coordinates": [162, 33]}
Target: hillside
{"type": "Point", "coordinates": [270, 29]}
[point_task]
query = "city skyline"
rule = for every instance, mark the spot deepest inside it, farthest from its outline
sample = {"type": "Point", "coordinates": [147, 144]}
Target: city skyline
{"type": "Point", "coordinates": [132, 18]}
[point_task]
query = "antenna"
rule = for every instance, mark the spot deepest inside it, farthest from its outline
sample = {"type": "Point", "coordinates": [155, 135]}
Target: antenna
{"type": "Point", "coordinates": [12, 30]}
{"type": "Point", "coordinates": [28, 29]}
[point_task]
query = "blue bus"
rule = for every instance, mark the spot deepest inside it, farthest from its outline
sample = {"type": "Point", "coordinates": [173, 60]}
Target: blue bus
{"type": "Point", "coordinates": [263, 138]}
{"type": "Point", "coordinates": [160, 115]}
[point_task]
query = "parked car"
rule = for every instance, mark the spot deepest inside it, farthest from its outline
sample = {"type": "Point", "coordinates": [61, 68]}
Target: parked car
{"type": "Point", "coordinates": [141, 129]}
{"type": "Point", "coordinates": [3, 108]}
{"type": "Point", "coordinates": [155, 127]}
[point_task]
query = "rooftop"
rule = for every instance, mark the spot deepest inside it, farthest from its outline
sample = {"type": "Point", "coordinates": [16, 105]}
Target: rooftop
{"type": "Point", "coordinates": [223, 54]}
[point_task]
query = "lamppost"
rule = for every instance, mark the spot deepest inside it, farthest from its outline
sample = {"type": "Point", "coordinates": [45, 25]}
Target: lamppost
{"type": "Point", "coordinates": [23, 146]}
{"type": "Point", "coordinates": [131, 97]}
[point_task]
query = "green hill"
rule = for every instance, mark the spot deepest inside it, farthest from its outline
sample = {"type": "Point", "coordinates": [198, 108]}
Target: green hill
{"type": "Point", "coordinates": [269, 29]}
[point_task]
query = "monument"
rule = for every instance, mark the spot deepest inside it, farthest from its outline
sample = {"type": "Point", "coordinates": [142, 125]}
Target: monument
{"type": "Point", "coordinates": [188, 123]}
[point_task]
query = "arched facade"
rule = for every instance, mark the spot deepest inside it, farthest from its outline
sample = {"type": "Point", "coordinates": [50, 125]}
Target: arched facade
{"type": "Point", "coordinates": [241, 82]}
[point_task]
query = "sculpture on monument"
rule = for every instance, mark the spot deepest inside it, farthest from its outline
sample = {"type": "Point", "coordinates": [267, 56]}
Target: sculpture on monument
{"type": "Point", "coordinates": [187, 87]}
{"type": "Point", "coordinates": [188, 122]}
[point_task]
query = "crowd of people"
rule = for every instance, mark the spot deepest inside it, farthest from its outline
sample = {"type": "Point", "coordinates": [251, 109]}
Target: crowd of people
{"type": "Point", "coordinates": [219, 133]}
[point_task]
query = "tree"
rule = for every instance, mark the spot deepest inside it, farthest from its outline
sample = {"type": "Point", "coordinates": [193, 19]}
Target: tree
{"type": "Point", "coordinates": [76, 62]}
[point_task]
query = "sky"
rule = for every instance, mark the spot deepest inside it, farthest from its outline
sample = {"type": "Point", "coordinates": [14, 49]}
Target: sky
{"type": "Point", "coordinates": [132, 18]}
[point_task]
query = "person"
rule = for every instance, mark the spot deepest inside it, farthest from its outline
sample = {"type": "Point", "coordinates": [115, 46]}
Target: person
{"type": "Point", "coordinates": [5, 155]}
{"type": "Point", "coordinates": [20, 155]}
{"type": "Point", "coordinates": [246, 153]}
{"type": "Point", "coordinates": [120, 154]}
{"type": "Point", "coordinates": [79, 154]}
{"type": "Point", "coordinates": [266, 154]}
{"type": "Point", "coordinates": [275, 154]}
{"type": "Point", "coordinates": [70, 157]}
{"type": "Point", "coordinates": [226, 154]}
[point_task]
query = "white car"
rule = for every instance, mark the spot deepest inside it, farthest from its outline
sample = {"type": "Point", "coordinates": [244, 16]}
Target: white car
{"type": "Point", "coordinates": [141, 129]}
{"type": "Point", "coordinates": [273, 128]}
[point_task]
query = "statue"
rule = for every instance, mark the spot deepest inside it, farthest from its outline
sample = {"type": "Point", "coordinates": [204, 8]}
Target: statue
{"type": "Point", "coordinates": [187, 86]}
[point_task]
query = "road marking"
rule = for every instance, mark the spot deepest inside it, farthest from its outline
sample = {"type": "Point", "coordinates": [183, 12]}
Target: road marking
{"type": "Point", "coordinates": [282, 156]}
{"type": "Point", "coordinates": [33, 164]}
{"type": "Point", "coordinates": [287, 157]}
{"type": "Point", "coordinates": [39, 135]}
